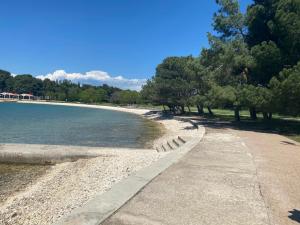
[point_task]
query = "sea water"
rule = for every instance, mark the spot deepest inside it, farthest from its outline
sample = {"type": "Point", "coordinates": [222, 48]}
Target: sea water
{"type": "Point", "coordinates": [66, 125]}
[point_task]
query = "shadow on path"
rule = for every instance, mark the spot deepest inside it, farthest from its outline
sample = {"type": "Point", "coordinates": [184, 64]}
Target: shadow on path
{"type": "Point", "coordinates": [290, 128]}
{"type": "Point", "coordinates": [295, 215]}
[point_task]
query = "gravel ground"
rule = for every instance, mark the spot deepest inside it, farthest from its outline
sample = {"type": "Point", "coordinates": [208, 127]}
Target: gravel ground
{"type": "Point", "coordinates": [16, 177]}
{"type": "Point", "coordinates": [69, 185]}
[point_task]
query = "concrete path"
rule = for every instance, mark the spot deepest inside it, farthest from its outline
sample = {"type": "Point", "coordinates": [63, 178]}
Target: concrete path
{"type": "Point", "coordinates": [277, 159]}
{"type": "Point", "coordinates": [215, 183]}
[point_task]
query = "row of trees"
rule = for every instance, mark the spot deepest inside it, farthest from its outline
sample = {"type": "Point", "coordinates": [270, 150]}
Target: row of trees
{"type": "Point", "coordinates": [253, 62]}
{"type": "Point", "coordinates": [66, 90]}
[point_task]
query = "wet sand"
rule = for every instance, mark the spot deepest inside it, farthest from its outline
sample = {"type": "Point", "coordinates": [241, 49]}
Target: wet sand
{"type": "Point", "coordinates": [16, 177]}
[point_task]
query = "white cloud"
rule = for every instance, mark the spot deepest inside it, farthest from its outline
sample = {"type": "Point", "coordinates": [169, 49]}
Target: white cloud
{"type": "Point", "coordinates": [96, 78]}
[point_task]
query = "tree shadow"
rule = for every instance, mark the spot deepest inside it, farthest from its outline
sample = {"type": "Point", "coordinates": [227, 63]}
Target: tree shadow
{"type": "Point", "coordinates": [295, 215]}
{"type": "Point", "coordinates": [290, 128]}
{"type": "Point", "coordinates": [158, 115]}
{"type": "Point", "coordinates": [288, 143]}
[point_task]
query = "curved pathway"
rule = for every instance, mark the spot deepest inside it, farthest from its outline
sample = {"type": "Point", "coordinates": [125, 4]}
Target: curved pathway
{"type": "Point", "coordinates": [215, 183]}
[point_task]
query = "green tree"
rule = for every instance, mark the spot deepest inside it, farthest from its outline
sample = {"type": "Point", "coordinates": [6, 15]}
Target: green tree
{"type": "Point", "coordinates": [258, 98]}
{"type": "Point", "coordinates": [126, 97]}
{"type": "Point", "coordinates": [228, 21]}
{"type": "Point", "coordinates": [92, 95]}
{"type": "Point", "coordinates": [129, 97]}
{"type": "Point", "coordinates": [4, 77]}
{"type": "Point", "coordinates": [286, 91]}
{"type": "Point", "coordinates": [174, 83]}
{"type": "Point", "coordinates": [267, 62]}
{"type": "Point", "coordinates": [277, 21]}
{"type": "Point", "coordinates": [27, 84]}
{"type": "Point", "coordinates": [228, 59]}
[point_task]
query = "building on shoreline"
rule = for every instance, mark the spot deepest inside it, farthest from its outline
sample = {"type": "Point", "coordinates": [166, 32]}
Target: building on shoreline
{"type": "Point", "coordinates": [27, 97]}
{"type": "Point", "coordinates": [14, 96]}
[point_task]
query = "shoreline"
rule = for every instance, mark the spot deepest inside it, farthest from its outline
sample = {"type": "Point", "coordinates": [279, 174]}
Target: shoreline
{"type": "Point", "coordinates": [70, 185]}
{"type": "Point", "coordinates": [135, 111]}
{"type": "Point", "coordinates": [169, 126]}
{"type": "Point", "coordinates": [52, 154]}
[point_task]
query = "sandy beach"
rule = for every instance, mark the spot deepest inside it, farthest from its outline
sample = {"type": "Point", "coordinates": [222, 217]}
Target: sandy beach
{"type": "Point", "coordinates": [67, 186]}
{"type": "Point", "coordinates": [114, 108]}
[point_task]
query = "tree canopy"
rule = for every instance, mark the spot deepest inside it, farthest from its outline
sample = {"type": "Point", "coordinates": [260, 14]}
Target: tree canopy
{"type": "Point", "coordinates": [65, 90]}
{"type": "Point", "coordinates": [253, 62]}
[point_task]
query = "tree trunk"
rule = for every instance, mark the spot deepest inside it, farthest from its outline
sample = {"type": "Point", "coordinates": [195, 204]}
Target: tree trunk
{"type": "Point", "coordinates": [253, 113]}
{"type": "Point", "coordinates": [172, 109]}
{"type": "Point", "coordinates": [200, 109]}
{"type": "Point", "coordinates": [270, 116]}
{"type": "Point", "coordinates": [164, 108]}
{"type": "Point", "coordinates": [175, 109]}
{"type": "Point", "coordinates": [182, 109]}
{"type": "Point", "coordinates": [189, 108]}
{"type": "Point", "coordinates": [209, 111]}
{"type": "Point", "coordinates": [265, 115]}
{"type": "Point", "coordinates": [237, 114]}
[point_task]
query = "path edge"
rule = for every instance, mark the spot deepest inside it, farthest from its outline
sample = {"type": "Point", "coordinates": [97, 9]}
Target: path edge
{"type": "Point", "coordinates": [102, 206]}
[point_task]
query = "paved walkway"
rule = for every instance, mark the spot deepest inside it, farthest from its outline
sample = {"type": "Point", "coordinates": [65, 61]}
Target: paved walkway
{"type": "Point", "coordinates": [215, 183]}
{"type": "Point", "coordinates": [278, 164]}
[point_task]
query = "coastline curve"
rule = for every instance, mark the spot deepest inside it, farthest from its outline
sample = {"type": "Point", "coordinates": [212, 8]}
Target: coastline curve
{"type": "Point", "coordinates": [104, 205]}
{"type": "Point", "coordinates": [89, 203]}
{"type": "Point", "coordinates": [53, 154]}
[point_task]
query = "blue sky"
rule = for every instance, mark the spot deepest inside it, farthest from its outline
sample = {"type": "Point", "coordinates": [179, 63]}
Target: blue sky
{"type": "Point", "coordinates": [119, 39]}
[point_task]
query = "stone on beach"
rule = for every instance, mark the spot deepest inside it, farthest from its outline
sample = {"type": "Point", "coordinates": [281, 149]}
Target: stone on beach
{"type": "Point", "coordinates": [69, 185]}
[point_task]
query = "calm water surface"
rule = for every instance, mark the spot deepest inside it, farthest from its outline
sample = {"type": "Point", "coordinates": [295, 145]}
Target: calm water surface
{"type": "Point", "coordinates": [64, 125]}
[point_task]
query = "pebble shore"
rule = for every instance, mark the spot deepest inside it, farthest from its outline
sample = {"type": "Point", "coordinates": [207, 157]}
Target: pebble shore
{"type": "Point", "coordinates": [69, 185]}
{"type": "Point", "coordinates": [16, 177]}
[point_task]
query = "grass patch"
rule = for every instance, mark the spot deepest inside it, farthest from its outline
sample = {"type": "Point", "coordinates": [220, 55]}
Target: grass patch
{"type": "Point", "coordinates": [284, 125]}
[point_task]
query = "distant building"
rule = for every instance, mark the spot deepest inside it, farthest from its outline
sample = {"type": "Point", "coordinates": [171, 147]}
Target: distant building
{"type": "Point", "coordinates": [8, 95]}
{"type": "Point", "coordinates": [27, 96]}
